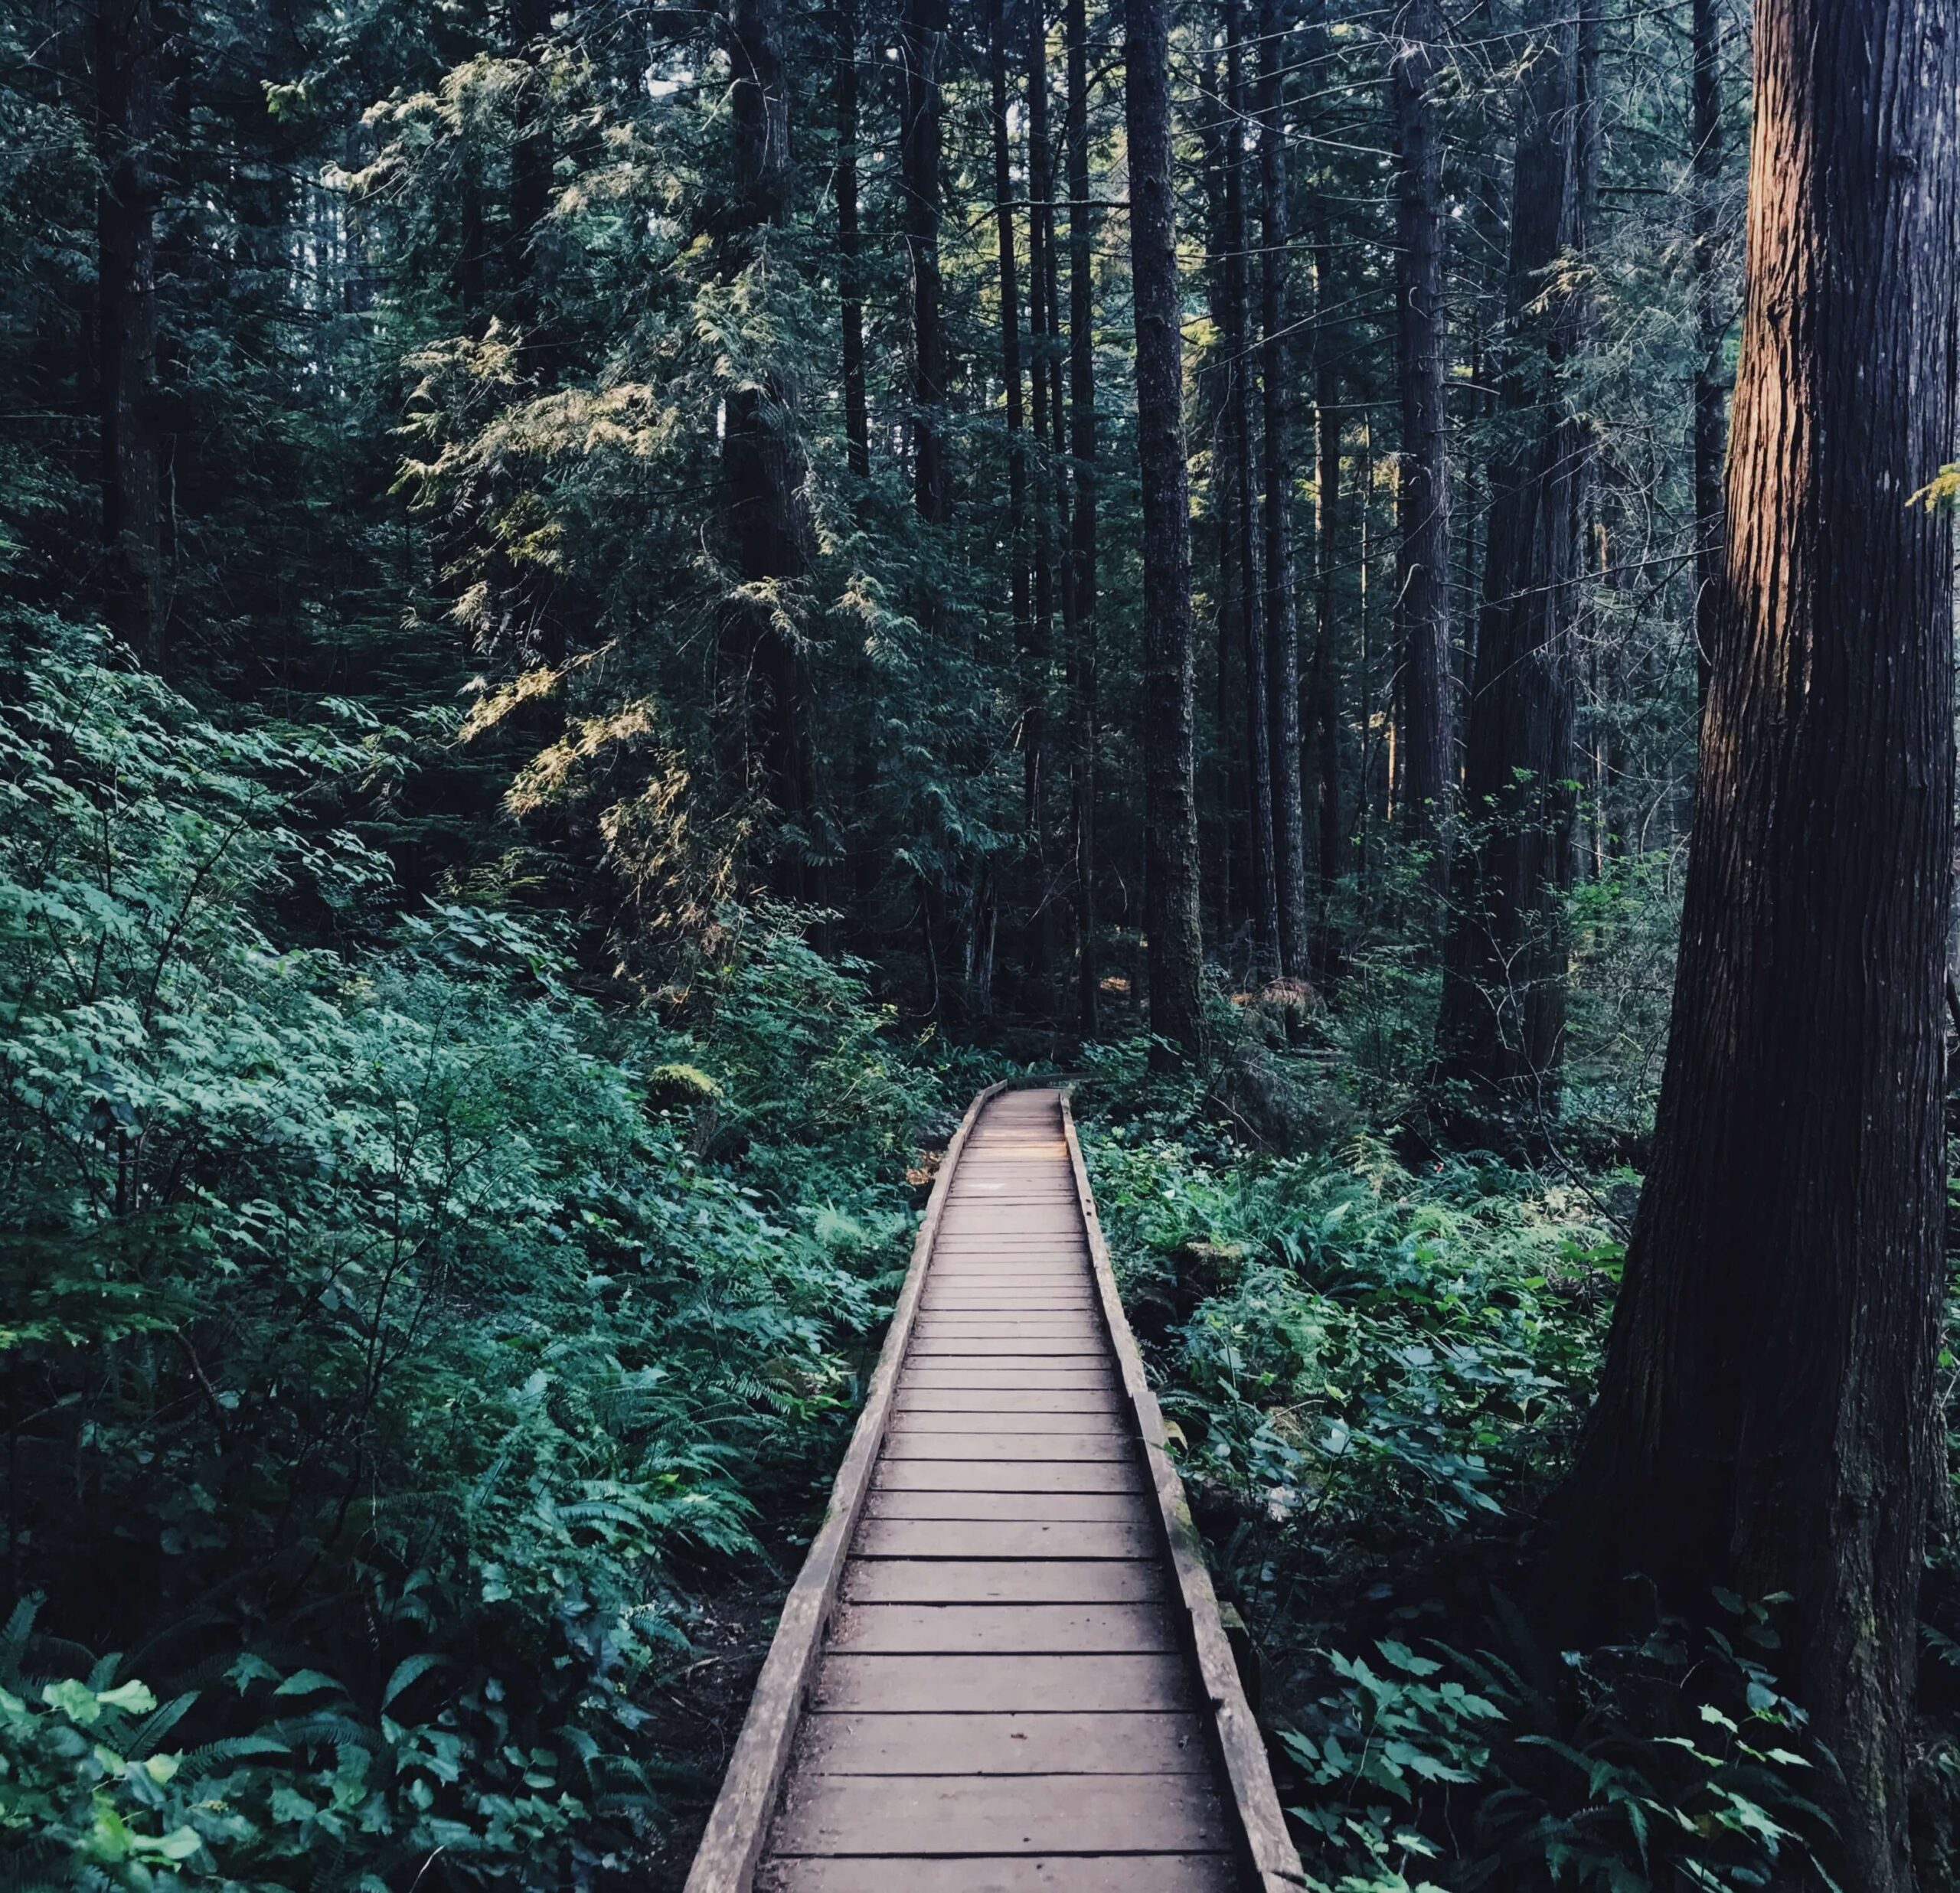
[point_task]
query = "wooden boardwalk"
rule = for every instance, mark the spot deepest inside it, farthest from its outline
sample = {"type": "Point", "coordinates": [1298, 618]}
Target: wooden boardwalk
{"type": "Point", "coordinates": [1002, 1667]}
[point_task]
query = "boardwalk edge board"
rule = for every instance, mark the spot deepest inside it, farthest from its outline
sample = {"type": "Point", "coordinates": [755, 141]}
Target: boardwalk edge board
{"type": "Point", "coordinates": [1252, 1804]}
{"type": "Point", "coordinates": [732, 1843]}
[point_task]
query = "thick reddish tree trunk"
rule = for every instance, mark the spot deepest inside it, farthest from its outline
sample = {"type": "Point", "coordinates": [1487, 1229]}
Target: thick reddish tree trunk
{"type": "Point", "coordinates": [1281, 613]}
{"type": "Point", "coordinates": [1422, 592]}
{"type": "Point", "coordinates": [1171, 853]}
{"type": "Point", "coordinates": [1766, 1419]}
{"type": "Point", "coordinates": [1712, 327]}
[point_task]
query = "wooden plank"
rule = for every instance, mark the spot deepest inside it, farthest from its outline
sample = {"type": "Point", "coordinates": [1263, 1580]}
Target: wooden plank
{"type": "Point", "coordinates": [1078, 1540]}
{"type": "Point", "coordinates": [1015, 1475]}
{"type": "Point", "coordinates": [732, 1841]}
{"type": "Point", "coordinates": [1001, 1630]}
{"type": "Point", "coordinates": [1004, 1422]}
{"type": "Point", "coordinates": [1081, 1336]}
{"type": "Point", "coordinates": [1060, 1744]}
{"type": "Point", "coordinates": [1045, 1324]}
{"type": "Point", "coordinates": [1027, 1348]}
{"type": "Point", "coordinates": [943, 1377]}
{"type": "Point", "coordinates": [1063, 1294]}
{"type": "Point", "coordinates": [964, 1685]}
{"type": "Point", "coordinates": [935, 1816]}
{"type": "Point", "coordinates": [1002, 1581]}
{"type": "Point", "coordinates": [1079, 1319]}
{"type": "Point", "coordinates": [1109, 1508]}
{"type": "Point", "coordinates": [1260, 1828]}
{"type": "Point", "coordinates": [914, 1398]}
{"type": "Point", "coordinates": [931, 1443]}
{"type": "Point", "coordinates": [1073, 1873]}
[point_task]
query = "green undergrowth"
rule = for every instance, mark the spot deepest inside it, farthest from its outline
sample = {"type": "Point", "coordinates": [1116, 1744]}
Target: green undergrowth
{"type": "Point", "coordinates": [391, 1337]}
{"type": "Point", "coordinates": [1373, 1362]}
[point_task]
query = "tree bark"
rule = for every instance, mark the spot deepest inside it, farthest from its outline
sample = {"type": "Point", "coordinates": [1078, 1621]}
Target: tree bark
{"type": "Point", "coordinates": [1427, 718]}
{"type": "Point", "coordinates": [1766, 1418]}
{"type": "Point", "coordinates": [1222, 852]}
{"type": "Point", "coordinates": [1264, 888]}
{"type": "Point", "coordinates": [1082, 579]}
{"type": "Point", "coordinates": [530, 22]}
{"type": "Point", "coordinates": [1324, 685]}
{"type": "Point", "coordinates": [765, 688]}
{"type": "Point", "coordinates": [128, 81]}
{"type": "Point", "coordinates": [1032, 733]}
{"type": "Point", "coordinates": [1171, 853]}
{"type": "Point", "coordinates": [849, 266]}
{"type": "Point", "coordinates": [1501, 1031]}
{"type": "Point", "coordinates": [1281, 613]}
{"type": "Point", "coordinates": [921, 39]}
{"type": "Point", "coordinates": [1041, 341]}
{"type": "Point", "coordinates": [1712, 327]}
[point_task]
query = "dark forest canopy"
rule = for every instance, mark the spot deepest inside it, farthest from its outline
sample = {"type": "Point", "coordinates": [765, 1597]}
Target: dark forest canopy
{"type": "Point", "coordinates": [605, 609]}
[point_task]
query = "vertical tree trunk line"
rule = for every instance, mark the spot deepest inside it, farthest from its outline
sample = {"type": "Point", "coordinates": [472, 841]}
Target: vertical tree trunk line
{"type": "Point", "coordinates": [1427, 718]}
{"type": "Point", "coordinates": [128, 106]}
{"type": "Point", "coordinates": [1223, 855]}
{"type": "Point", "coordinates": [850, 266]}
{"type": "Point", "coordinates": [1766, 1419]}
{"type": "Point", "coordinates": [1324, 685]}
{"type": "Point", "coordinates": [1501, 1030]}
{"type": "Point", "coordinates": [1082, 574]}
{"type": "Point", "coordinates": [765, 686]}
{"type": "Point", "coordinates": [921, 37]}
{"type": "Point", "coordinates": [1280, 612]}
{"type": "Point", "coordinates": [1032, 732]}
{"type": "Point", "coordinates": [1171, 849]}
{"type": "Point", "coordinates": [1040, 338]}
{"type": "Point", "coordinates": [1264, 884]}
{"type": "Point", "coordinates": [1711, 327]}
{"type": "Point", "coordinates": [530, 199]}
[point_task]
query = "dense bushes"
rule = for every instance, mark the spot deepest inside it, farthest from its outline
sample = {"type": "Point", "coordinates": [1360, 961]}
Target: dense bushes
{"type": "Point", "coordinates": [387, 1333]}
{"type": "Point", "coordinates": [1374, 1363]}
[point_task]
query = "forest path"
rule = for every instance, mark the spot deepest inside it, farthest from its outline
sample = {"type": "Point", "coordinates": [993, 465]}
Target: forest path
{"type": "Point", "coordinates": [1006, 1670]}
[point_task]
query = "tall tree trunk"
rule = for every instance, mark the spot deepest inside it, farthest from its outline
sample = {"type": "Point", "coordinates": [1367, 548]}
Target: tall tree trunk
{"type": "Point", "coordinates": [849, 266]}
{"type": "Point", "coordinates": [921, 39]}
{"type": "Point", "coordinates": [1280, 614]}
{"type": "Point", "coordinates": [1041, 341]}
{"type": "Point", "coordinates": [531, 626]}
{"type": "Point", "coordinates": [1032, 734]}
{"type": "Point", "coordinates": [1170, 854]}
{"type": "Point", "coordinates": [1264, 889]}
{"type": "Point", "coordinates": [128, 102]}
{"type": "Point", "coordinates": [1501, 1031]}
{"type": "Point", "coordinates": [1082, 574]}
{"type": "Point", "coordinates": [1221, 844]}
{"type": "Point", "coordinates": [1428, 731]}
{"type": "Point", "coordinates": [530, 22]}
{"type": "Point", "coordinates": [1324, 690]}
{"type": "Point", "coordinates": [1712, 326]}
{"type": "Point", "coordinates": [765, 686]}
{"type": "Point", "coordinates": [1766, 1419]}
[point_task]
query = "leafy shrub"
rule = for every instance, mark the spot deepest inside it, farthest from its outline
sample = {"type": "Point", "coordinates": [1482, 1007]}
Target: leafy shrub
{"type": "Point", "coordinates": [1365, 1359]}
{"type": "Point", "coordinates": [1346, 1332]}
{"type": "Point", "coordinates": [386, 1330]}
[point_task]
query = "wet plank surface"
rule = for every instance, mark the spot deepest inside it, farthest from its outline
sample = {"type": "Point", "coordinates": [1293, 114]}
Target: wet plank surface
{"type": "Point", "coordinates": [1002, 1701]}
